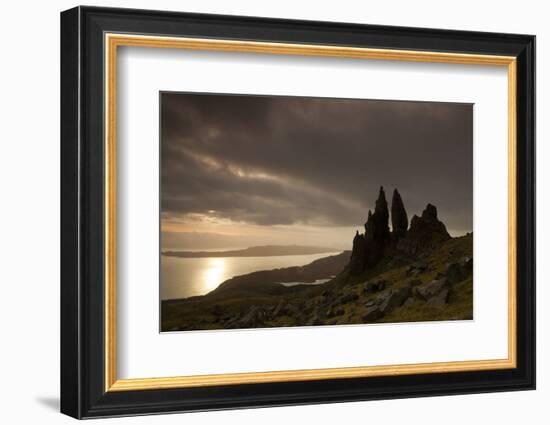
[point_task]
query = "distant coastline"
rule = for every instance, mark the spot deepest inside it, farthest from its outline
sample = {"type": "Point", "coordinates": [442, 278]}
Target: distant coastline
{"type": "Point", "coordinates": [254, 251]}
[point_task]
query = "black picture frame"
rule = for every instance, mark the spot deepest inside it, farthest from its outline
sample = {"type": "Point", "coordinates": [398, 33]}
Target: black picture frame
{"type": "Point", "coordinates": [83, 392]}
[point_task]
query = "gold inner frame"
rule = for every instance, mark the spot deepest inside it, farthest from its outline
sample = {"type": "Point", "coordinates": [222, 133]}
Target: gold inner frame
{"type": "Point", "coordinates": [113, 41]}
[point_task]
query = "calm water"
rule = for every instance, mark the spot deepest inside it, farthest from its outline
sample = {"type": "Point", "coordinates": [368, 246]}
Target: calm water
{"type": "Point", "coordinates": [186, 277]}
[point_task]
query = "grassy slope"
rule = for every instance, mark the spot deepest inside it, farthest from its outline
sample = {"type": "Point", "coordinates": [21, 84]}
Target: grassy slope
{"type": "Point", "coordinates": [202, 313]}
{"type": "Point", "coordinates": [460, 304]}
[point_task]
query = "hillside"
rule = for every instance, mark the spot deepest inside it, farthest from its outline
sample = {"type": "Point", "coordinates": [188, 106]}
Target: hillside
{"type": "Point", "coordinates": [412, 273]}
{"type": "Point", "coordinates": [398, 289]}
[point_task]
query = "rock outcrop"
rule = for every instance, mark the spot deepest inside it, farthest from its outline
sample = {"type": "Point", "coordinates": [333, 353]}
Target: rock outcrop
{"type": "Point", "coordinates": [425, 232]}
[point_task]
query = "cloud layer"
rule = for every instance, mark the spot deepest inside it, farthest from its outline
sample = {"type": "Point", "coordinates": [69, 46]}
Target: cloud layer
{"type": "Point", "coordinates": [312, 161]}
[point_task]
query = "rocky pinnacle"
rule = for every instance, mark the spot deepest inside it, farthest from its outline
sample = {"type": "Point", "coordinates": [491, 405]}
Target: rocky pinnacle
{"type": "Point", "coordinates": [399, 219]}
{"type": "Point", "coordinates": [425, 232]}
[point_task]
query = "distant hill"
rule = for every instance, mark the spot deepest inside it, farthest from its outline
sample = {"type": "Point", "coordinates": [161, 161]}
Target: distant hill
{"type": "Point", "coordinates": [269, 281]}
{"type": "Point", "coordinates": [254, 251]}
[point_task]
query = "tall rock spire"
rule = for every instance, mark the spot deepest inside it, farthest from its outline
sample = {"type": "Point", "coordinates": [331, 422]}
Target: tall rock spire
{"type": "Point", "coordinates": [377, 231]}
{"type": "Point", "coordinates": [382, 214]}
{"type": "Point", "coordinates": [357, 260]}
{"type": "Point", "coordinates": [399, 219]}
{"type": "Point", "coordinates": [377, 226]}
{"type": "Point", "coordinates": [369, 227]}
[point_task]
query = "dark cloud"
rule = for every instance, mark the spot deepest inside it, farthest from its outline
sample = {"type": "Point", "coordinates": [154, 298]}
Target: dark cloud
{"type": "Point", "coordinates": [285, 160]}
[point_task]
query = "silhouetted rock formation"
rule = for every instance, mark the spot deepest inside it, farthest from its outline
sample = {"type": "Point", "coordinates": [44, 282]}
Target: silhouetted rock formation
{"type": "Point", "coordinates": [425, 233]}
{"type": "Point", "coordinates": [399, 219]}
{"type": "Point", "coordinates": [369, 248]}
{"type": "Point", "coordinates": [377, 231]}
{"type": "Point", "coordinates": [358, 255]}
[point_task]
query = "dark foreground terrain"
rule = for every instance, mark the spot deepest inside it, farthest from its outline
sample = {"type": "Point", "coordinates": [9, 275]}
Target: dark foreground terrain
{"type": "Point", "coordinates": [416, 273]}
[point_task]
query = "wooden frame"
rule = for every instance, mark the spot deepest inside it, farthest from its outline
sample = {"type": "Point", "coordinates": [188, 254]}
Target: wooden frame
{"type": "Point", "coordinates": [90, 37]}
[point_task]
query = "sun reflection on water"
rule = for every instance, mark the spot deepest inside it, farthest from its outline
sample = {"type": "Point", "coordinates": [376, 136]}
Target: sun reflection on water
{"type": "Point", "coordinates": [213, 274]}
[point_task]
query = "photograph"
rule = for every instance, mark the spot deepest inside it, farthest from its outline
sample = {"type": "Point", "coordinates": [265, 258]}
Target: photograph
{"type": "Point", "coordinates": [280, 211]}
{"type": "Point", "coordinates": [283, 210]}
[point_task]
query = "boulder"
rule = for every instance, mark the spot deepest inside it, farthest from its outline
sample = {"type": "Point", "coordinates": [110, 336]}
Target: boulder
{"type": "Point", "coordinates": [338, 311]}
{"type": "Point", "coordinates": [394, 298]}
{"type": "Point", "coordinates": [416, 269]}
{"type": "Point", "coordinates": [372, 314]}
{"type": "Point", "coordinates": [279, 309]}
{"type": "Point", "coordinates": [370, 287]}
{"type": "Point", "coordinates": [456, 273]}
{"type": "Point", "coordinates": [428, 290]}
{"type": "Point", "coordinates": [439, 299]}
{"type": "Point", "coordinates": [409, 302]}
{"type": "Point", "coordinates": [292, 310]}
{"type": "Point", "coordinates": [346, 298]}
{"type": "Point", "coordinates": [253, 318]}
{"type": "Point", "coordinates": [374, 286]}
{"type": "Point", "coordinates": [315, 320]}
{"type": "Point", "coordinates": [334, 311]}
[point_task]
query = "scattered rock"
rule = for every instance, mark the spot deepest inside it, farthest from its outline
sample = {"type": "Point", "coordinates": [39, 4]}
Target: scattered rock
{"type": "Point", "coordinates": [375, 286]}
{"type": "Point", "coordinates": [394, 298]}
{"type": "Point", "coordinates": [346, 298]}
{"type": "Point", "coordinates": [279, 309]}
{"type": "Point", "coordinates": [440, 299]}
{"type": "Point", "coordinates": [254, 317]}
{"type": "Point", "coordinates": [315, 320]}
{"type": "Point", "coordinates": [370, 303]}
{"type": "Point", "coordinates": [338, 311]}
{"type": "Point", "coordinates": [409, 302]}
{"type": "Point", "coordinates": [372, 314]}
{"type": "Point", "coordinates": [456, 273]}
{"type": "Point", "coordinates": [428, 290]}
{"type": "Point", "coordinates": [370, 287]}
{"type": "Point", "coordinates": [416, 269]}
{"type": "Point", "coordinates": [468, 263]}
{"type": "Point", "coordinates": [333, 312]}
{"type": "Point", "coordinates": [293, 310]}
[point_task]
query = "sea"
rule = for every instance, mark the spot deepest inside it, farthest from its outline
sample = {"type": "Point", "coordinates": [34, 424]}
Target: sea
{"type": "Point", "coordinates": [187, 277]}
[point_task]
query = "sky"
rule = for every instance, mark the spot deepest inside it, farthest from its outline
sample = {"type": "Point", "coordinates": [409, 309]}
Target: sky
{"type": "Point", "coordinates": [240, 170]}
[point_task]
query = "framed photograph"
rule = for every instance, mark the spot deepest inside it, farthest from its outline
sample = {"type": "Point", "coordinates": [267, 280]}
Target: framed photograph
{"type": "Point", "coordinates": [261, 212]}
